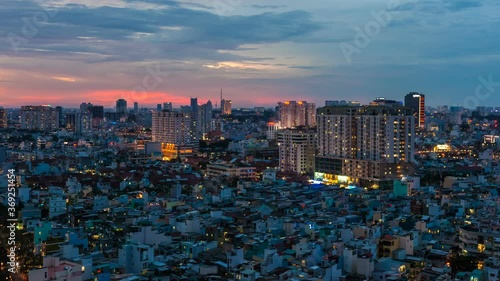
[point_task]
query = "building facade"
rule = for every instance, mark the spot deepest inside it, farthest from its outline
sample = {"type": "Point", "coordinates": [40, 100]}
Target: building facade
{"type": "Point", "coordinates": [296, 114]}
{"type": "Point", "coordinates": [171, 127]}
{"type": "Point", "coordinates": [121, 106]}
{"type": "Point", "coordinates": [416, 102]}
{"type": "Point", "coordinates": [167, 106]}
{"type": "Point", "coordinates": [226, 107]}
{"type": "Point", "coordinates": [83, 122]}
{"type": "Point", "coordinates": [3, 118]}
{"type": "Point", "coordinates": [206, 118]}
{"type": "Point", "coordinates": [297, 150]}
{"type": "Point", "coordinates": [231, 170]}
{"type": "Point", "coordinates": [364, 145]}
{"type": "Point", "coordinates": [41, 118]}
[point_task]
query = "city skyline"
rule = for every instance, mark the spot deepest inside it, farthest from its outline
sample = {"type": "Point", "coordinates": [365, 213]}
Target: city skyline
{"type": "Point", "coordinates": [60, 52]}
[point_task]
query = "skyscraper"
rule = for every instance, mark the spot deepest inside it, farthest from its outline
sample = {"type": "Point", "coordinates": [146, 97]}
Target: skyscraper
{"type": "Point", "coordinates": [206, 118]}
{"type": "Point", "coordinates": [121, 106]}
{"type": "Point", "coordinates": [167, 106]}
{"type": "Point", "coordinates": [158, 107]}
{"type": "Point", "coordinates": [295, 114]}
{"type": "Point", "coordinates": [136, 106]}
{"type": "Point", "coordinates": [416, 101]}
{"type": "Point", "coordinates": [368, 145]}
{"type": "Point", "coordinates": [61, 116]}
{"type": "Point", "coordinates": [225, 105]}
{"type": "Point", "coordinates": [3, 118]}
{"type": "Point", "coordinates": [194, 104]}
{"type": "Point", "coordinates": [195, 121]}
{"type": "Point", "coordinates": [42, 118]}
{"type": "Point", "coordinates": [297, 150]}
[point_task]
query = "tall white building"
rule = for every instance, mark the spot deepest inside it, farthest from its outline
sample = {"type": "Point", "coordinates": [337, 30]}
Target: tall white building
{"type": "Point", "coordinates": [41, 117]}
{"type": "Point", "coordinates": [297, 150]}
{"type": "Point", "coordinates": [171, 127]}
{"type": "Point", "coordinates": [365, 144]}
{"type": "Point", "coordinates": [297, 113]}
{"type": "Point", "coordinates": [272, 130]}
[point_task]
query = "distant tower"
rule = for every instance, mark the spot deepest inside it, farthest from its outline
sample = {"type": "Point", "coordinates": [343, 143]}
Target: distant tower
{"type": "Point", "coordinates": [416, 101]}
{"type": "Point", "coordinates": [167, 106]}
{"type": "Point", "coordinates": [121, 106]}
{"type": "Point", "coordinates": [206, 118]}
{"type": "Point", "coordinates": [194, 104]}
{"type": "Point", "coordinates": [136, 106]}
{"type": "Point", "coordinates": [221, 104]}
{"type": "Point", "coordinates": [3, 118]}
{"type": "Point", "coordinates": [225, 105]}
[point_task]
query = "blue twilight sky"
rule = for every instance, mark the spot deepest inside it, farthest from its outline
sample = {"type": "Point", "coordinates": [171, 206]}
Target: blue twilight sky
{"type": "Point", "coordinates": [260, 52]}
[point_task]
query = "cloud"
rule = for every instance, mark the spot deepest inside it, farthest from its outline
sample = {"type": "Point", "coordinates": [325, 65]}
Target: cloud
{"type": "Point", "coordinates": [267, 52]}
{"type": "Point", "coordinates": [268, 6]}
{"type": "Point", "coordinates": [64, 79]}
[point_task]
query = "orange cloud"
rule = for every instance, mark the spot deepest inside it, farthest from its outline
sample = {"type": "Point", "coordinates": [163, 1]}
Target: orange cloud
{"type": "Point", "coordinates": [64, 79]}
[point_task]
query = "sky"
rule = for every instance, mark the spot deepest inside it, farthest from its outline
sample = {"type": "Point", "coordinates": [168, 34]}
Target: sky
{"type": "Point", "coordinates": [65, 52]}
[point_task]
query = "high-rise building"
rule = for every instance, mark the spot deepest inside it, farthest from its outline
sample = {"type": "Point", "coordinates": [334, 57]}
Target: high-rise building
{"type": "Point", "coordinates": [173, 130]}
{"type": "Point", "coordinates": [61, 116]}
{"type": "Point", "coordinates": [195, 121]}
{"type": "Point", "coordinates": [272, 130]}
{"type": "Point", "coordinates": [296, 114]}
{"type": "Point", "coordinates": [41, 117]}
{"type": "Point", "coordinates": [97, 117]}
{"type": "Point", "coordinates": [171, 127]}
{"type": "Point", "coordinates": [83, 121]}
{"type": "Point", "coordinates": [158, 107]}
{"type": "Point", "coordinates": [121, 106]}
{"type": "Point", "coordinates": [194, 104]}
{"type": "Point", "coordinates": [136, 107]}
{"type": "Point", "coordinates": [226, 107]}
{"type": "Point", "coordinates": [70, 120]}
{"type": "Point", "coordinates": [3, 118]}
{"type": "Point", "coordinates": [416, 101]}
{"type": "Point", "coordinates": [206, 118]}
{"type": "Point", "coordinates": [167, 106]}
{"type": "Point", "coordinates": [297, 150]}
{"type": "Point", "coordinates": [366, 145]}
{"type": "Point", "coordinates": [97, 112]}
